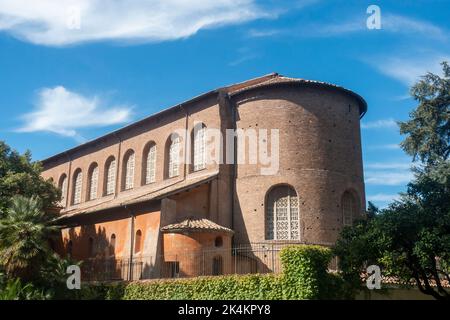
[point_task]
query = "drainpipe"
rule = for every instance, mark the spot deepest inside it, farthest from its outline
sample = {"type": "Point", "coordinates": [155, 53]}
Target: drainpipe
{"type": "Point", "coordinates": [118, 171]}
{"type": "Point", "coordinates": [69, 176]}
{"type": "Point", "coordinates": [186, 145]}
{"type": "Point", "coordinates": [130, 264]}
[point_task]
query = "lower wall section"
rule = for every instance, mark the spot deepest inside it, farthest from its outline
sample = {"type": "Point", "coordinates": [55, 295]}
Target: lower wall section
{"type": "Point", "coordinates": [113, 237]}
{"type": "Point", "coordinates": [196, 253]}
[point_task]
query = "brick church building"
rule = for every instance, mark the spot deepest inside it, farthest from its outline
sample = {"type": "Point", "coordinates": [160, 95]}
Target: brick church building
{"type": "Point", "coordinates": [143, 202]}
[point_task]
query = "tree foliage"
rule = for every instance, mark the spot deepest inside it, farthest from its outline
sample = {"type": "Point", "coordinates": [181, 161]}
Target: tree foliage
{"type": "Point", "coordinates": [428, 130]}
{"type": "Point", "coordinates": [24, 235]}
{"type": "Point", "coordinates": [19, 175]}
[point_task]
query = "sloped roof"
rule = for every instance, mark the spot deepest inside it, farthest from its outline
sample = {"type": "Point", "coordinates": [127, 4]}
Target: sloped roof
{"type": "Point", "coordinates": [144, 196]}
{"type": "Point", "coordinates": [195, 225]}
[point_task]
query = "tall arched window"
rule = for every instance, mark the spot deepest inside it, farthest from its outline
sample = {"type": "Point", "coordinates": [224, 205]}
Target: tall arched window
{"type": "Point", "coordinates": [93, 182]}
{"type": "Point", "coordinates": [112, 245]}
{"type": "Point", "coordinates": [63, 187]}
{"type": "Point", "coordinates": [138, 241]}
{"type": "Point", "coordinates": [282, 214]}
{"type": "Point", "coordinates": [128, 170]}
{"type": "Point", "coordinates": [174, 156]}
{"type": "Point", "coordinates": [110, 176]}
{"type": "Point", "coordinates": [77, 185]}
{"type": "Point", "coordinates": [149, 165]}
{"type": "Point", "coordinates": [350, 208]}
{"type": "Point", "coordinates": [199, 147]}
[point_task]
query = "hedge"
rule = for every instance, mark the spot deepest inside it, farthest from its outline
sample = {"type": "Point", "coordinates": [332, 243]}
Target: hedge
{"type": "Point", "coordinates": [304, 276]}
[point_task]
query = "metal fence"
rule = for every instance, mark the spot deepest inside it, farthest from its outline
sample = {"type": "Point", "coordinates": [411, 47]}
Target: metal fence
{"type": "Point", "coordinates": [242, 259]}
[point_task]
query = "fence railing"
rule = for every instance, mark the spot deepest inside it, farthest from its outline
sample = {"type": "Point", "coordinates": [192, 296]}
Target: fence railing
{"type": "Point", "coordinates": [241, 259]}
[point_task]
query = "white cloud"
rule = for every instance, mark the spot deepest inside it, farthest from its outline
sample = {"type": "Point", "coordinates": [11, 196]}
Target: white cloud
{"type": "Point", "coordinates": [62, 111]}
{"type": "Point", "coordinates": [388, 178]}
{"type": "Point", "coordinates": [255, 33]}
{"type": "Point", "coordinates": [402, 24]}
{"type": "Point", "coordinates": [388, 146]}
{"type": "Point", "coordinates": [391, 23]}
{"type": "Point", "coordinates": [379, 124]}
{"type": "Point", "coordinates": [383, 197]}
{"type": "Point", "coordinates": [388, 165]}
{"type": "Point", "coordinates": [408, 69]}
{"type": "Point", "coordinates": [47, 22]}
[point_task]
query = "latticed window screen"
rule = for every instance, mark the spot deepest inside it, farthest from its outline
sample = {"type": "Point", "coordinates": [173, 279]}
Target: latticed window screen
{"type": "Point", "coordinates": [348, 208]}
{"type": "Point", "coordinates": [150, 173]}
{"type": "Point", "coordinates": [93, 184]}
{"type": "Point", "coordinates": [282, 216]}
{"type": "Point", "coordinates": [77, 188]}
{"type": "Point", "coordinates": [129, 172]}
{"type": "Point", "coordinates": [111, 177]}
{"type": "Point", "coordinates": [199, 148]}
{"type": "Point", "coordinates": [174, 155]}
{"type": "Point", "coordinates": [63, 187]}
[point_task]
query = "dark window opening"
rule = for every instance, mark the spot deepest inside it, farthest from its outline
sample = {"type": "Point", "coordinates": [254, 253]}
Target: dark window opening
{"type": "Point", "coordinates": [218, 242]}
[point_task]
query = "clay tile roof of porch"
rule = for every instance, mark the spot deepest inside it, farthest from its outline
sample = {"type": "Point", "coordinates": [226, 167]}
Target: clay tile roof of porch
{"type": "Point", "coordinates": [195, 225]}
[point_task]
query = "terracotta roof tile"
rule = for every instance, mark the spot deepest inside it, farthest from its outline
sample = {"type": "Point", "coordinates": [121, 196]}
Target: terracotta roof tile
{"type": "Point", "coordinates": [195, 224]}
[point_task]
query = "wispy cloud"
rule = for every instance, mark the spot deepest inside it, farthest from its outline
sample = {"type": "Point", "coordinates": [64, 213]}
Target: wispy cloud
{"type": "Point", "coordinates": [383, 197]}
{"type": "Point", "coordinates": [260, 33]}
{"type": "Point", "coordinates": [382, 200]}
{"type": "Point", "coordinates": [388, 178]}
{"type": "Point", "coordinates": [407, 25]}
{"type": "Point", "coordinates": [388, 165]}
{"type": "Point", "coordinates": [388, 173]}
{"type": "Point", "coordinates": [408, 69]}
{"type": "Point", "coordinates": [244, 54]}
{"type": "Point", "coordinates": [392, 23]}
{"type": "Point", "coordinates": [379, 124]}
{"type": "Point", "coordinates": [61, 111]}
{"type": "Point", "coordinates": [50, 22]}
{"type": "Point", "coordinates": [388, 146]}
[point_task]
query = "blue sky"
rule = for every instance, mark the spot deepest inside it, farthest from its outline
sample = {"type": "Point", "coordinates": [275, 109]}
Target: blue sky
{"type": "Point", "coordinates": [62, 85]}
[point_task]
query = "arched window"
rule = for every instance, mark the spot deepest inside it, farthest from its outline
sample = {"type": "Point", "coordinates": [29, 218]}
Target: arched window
{"type": "Point", "coordinates": [128, 182]}
{"type": "Point", "coordinates": [91, 249]}
{"type": "Point", "coordinates": [137, 241]}
{"type": "Point", "coordinates": [110, 176]}
{"type": "Point", "coordinates": [77, 185]}
{"type": "Point", "coordinates": [174, 156]}
{"type": "Point", "coordinates": [217, 267]}
{"type": "Point", "coordinates": [218, 242]}
{"type": "Point", "coordinates": [199, 147]}
{"type": "Point", "coordinates": [350, 208]}
{"type": "Point", "coordinates": [282, 214]}
{"type": "Point", "coordinates": [149, 164]}
{"type": "Point", "coordinates": [93, 182]}
{"type": "Point", "coordinates": [62, 185]}
{"type": "Point", "coordinates": [112, 245]}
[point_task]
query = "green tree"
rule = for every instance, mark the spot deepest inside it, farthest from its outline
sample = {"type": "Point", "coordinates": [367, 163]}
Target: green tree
{"type": "Point", "coordinates": [19, 175]}
{"type": "Point", "coordinates": [411, 238]}
{"type": "Point", "coordinates": [428, 130]}
{"type": "Point", "coordinates": [24, 234]}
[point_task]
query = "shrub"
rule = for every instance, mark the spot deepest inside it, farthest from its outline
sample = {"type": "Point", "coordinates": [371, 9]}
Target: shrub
{"type": "Point", "coordinates": [305, 273]}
